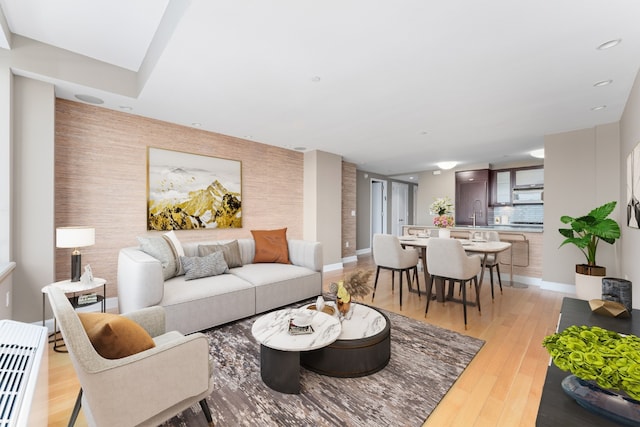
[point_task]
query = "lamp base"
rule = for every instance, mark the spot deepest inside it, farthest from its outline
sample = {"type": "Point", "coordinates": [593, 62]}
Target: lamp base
{"type": "Point", "coordinates": [75, 267]}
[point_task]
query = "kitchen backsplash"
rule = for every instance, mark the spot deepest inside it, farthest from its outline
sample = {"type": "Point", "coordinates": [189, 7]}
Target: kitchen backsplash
{"type": "Point", "coordinates": [518, 214]}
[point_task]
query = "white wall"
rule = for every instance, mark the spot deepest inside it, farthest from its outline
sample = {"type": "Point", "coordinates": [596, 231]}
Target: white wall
{"type": "Point", "coordinates": [581, 173]}
{"type": "Point", "coordinates": [6, 162]}
{"type": "Point", "coordinates": [630, 241]}
{"type": "Point", "coordinates": [33, 195]}
{"type": "Point", "coordinates": [323, 204]}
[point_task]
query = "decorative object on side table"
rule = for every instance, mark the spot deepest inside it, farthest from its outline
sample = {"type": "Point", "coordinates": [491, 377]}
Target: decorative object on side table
{"type": "Point", "coordinates": [605, 367]}
{"type": "Point", "coordinates": [354, 286]}
{"type": "Point", "coordinates": [75, 237]}
{"type": "Point", "coordinates": [585, 233]}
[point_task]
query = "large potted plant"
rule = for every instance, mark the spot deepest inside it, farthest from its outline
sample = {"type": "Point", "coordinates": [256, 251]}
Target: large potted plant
{"type": "Point", "coordinates": [585, 233]}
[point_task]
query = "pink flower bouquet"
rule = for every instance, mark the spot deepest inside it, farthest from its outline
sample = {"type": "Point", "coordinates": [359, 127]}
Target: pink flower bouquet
{"type": "Point", "coordinates": [443, 221]}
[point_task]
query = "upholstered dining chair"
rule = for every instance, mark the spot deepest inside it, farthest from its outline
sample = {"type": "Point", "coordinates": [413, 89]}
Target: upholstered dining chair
{"type": "Point", "coordinates": [142, 389]}
{"type": "Point", "coordinates": [447, 260]}
{"type": "Point", "coordinates": [492, 259]}
{"type": "Point", "coordinates": [389, 254]}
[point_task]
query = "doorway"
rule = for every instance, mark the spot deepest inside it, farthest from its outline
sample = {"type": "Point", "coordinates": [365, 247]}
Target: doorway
{"type": "Point", "coordinates": [378, 208]}
{"type": "Point", "coordinates": [399, 207]}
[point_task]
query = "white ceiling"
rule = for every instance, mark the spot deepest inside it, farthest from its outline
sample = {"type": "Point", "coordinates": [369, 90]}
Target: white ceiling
{"type": "Point", "coordinates": [392, 86]}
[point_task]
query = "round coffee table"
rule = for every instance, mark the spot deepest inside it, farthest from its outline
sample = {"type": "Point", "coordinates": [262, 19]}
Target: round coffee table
{"type": "Point", "coordinates": [280, 350]}
{"type": "Point", "coordinates": [363, 347]}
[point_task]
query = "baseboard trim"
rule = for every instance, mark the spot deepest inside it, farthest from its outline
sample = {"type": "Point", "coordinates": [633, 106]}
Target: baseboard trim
{"type": "Point", "coordinates": [349, 259]}
{"type": "Point", "coordinates": [332, 267]}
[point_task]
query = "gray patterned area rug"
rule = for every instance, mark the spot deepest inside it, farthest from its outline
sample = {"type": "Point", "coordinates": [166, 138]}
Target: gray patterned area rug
{"type": "Point", "coordinates": [425, 361]}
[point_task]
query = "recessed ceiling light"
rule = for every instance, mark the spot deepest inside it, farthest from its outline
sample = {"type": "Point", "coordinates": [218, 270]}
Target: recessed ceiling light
{"type": "Point", "coordinates": [538, 154]}
{"type": "Point", "coordinates": [315, 79]}
{"type": "Point", "coordinates": [446, 165]}
{"type": "Point", "coordinates": [90, 99]}
{"type": "Point", "coordinates": [603, 83]}
{"type": "Point", "coordinates": [609, 44]}
{"type": "Point", "coordinates": [248, 136]}
{"type": "Point", "coordinates": [125, 108]}
{"type": "Point", "coordinates": [598, 108]}
{"type": "Point", "coordinates": [423, 132]}
{"type": "Point", "coordinates": [196, 124]}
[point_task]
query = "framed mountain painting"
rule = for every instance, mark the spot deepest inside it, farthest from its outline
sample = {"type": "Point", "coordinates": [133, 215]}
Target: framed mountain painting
{"type": "Point", "coordinates": [191, 191]}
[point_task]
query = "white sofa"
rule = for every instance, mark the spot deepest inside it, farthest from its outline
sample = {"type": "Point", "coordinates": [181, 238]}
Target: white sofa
{"type": "Point", "coordinates": [195, 305]}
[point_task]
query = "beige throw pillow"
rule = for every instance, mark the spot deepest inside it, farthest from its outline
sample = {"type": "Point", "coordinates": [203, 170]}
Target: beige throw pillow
{"type": "Point", "coordinates": [231, 252]}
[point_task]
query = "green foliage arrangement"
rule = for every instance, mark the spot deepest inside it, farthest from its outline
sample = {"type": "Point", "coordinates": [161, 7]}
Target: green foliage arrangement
{"type": "Point", "coordinates": [596, 354]}
{"type": "Point", "coordinates": [587, 231]}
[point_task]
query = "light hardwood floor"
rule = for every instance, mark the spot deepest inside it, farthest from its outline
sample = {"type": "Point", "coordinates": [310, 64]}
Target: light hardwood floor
{"type": "Point", "coordinates": [500, 387]}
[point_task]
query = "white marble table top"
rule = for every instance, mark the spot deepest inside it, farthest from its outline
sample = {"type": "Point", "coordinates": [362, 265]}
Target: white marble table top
{"type": "Point", "coordinates": [364, 322]}
{"type": "Point", "coordinates": [272, 330]}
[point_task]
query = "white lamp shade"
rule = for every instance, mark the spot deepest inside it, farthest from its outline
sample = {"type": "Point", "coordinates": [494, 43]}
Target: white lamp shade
{"type": "Point", "coordinates": [75, 237]}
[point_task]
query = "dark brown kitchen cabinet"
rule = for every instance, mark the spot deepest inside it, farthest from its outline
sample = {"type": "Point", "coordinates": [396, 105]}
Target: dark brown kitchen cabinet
{"type": "Point", "coordinates": [472, 197]}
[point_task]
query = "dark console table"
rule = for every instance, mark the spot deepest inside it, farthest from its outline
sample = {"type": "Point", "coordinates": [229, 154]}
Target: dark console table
{"type": "Point", "coordinates": [556, 408]}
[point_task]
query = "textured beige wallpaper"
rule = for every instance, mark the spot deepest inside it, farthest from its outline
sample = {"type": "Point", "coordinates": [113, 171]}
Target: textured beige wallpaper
{"type": "Point", "coordinates": [101, 181]}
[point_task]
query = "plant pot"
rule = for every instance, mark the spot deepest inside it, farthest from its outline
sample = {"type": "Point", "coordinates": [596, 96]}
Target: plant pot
{"type": "Point", "coordinates": [615, 405]}
{"type": "Point", "coordinates": [589, 281]}
{"type": "Point", "coordinates": [444, 233]}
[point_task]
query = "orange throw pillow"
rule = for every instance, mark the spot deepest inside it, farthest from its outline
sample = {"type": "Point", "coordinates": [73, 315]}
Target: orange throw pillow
{"type": "Point", "coordinates": [114, 336]}
{"type": "Point", "coordinates": [271, 246]}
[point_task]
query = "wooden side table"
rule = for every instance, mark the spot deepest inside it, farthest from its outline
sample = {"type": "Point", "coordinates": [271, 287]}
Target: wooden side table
{"type": "Point", "coordinates": [74, 290]}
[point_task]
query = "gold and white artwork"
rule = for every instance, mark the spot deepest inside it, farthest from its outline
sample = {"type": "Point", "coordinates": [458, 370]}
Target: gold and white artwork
{"type": "Point", "coordinates": [190, 191]}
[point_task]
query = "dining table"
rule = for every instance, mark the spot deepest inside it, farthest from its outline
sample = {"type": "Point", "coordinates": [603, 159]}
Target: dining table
{"type": "Point", "coordinates": [474, 246]}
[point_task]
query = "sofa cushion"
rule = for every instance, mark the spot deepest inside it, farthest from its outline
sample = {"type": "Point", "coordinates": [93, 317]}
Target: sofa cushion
{"type": "Point", "coordinates": [265, 273]}
{"type": "Point", "coordinates": [271, 246]}
{"type": "Point", "coordinates": [231, 252]}
{"type": "Point", "coordinates": [198, 267]}
{"type": "Point", "coordinates": [161, 249]}
{"type": "Point", "coordinates": [114, 336]}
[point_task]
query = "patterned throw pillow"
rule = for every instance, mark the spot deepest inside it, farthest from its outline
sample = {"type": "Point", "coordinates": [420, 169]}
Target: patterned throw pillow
{"type": "Point", "coordinates": [163, 251]}
{"type": "Point", "coordinates": [231, 252]}
{"type": "Point", "coordinates": [178, 251]}
{"type": "Point", "coordinates": [210, 265]}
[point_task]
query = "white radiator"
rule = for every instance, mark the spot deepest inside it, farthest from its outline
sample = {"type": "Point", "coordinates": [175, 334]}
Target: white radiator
{"type": "Point", "coordinates": [23, 374]}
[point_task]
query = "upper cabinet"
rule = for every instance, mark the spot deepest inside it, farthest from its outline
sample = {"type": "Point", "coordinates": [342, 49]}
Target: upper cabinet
{"type": "Point", "coordinates": [500, 187]}
{"type": "Point", "coordinates": [529, 178]}
{"type": "Point", "coordinates": [503, 182]}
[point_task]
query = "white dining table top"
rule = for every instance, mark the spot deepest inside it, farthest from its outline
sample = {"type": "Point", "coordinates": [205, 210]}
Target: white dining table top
{"type": "Point", "coordinates": [479, 246]}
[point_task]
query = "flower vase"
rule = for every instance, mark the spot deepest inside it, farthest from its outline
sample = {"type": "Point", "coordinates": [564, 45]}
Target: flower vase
{"type": "Point", "coordinates": [343, 307]}
{"type": "Point", "coordinates": [444, 233]}
{"type": "Point", "coordinates": [615, 405]}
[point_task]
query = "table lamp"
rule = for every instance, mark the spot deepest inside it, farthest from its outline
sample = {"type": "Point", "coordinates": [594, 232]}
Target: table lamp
{"type": "Point", "coordinates": [75, 237]}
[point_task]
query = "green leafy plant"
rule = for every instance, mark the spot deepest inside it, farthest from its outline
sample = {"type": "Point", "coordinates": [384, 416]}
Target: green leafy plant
{"type": "Point", "coordinates": [587, 231]}
{"type": "Point", "coordinates": [596, 354]}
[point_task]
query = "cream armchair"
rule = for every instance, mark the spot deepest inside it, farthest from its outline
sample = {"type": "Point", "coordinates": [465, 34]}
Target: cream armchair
{"type": "Point", "coordinates": [146, 388]}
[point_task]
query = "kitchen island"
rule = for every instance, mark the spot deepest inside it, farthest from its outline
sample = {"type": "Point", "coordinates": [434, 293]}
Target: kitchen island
{"type": "Point", "coordinates": [526, 243]}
